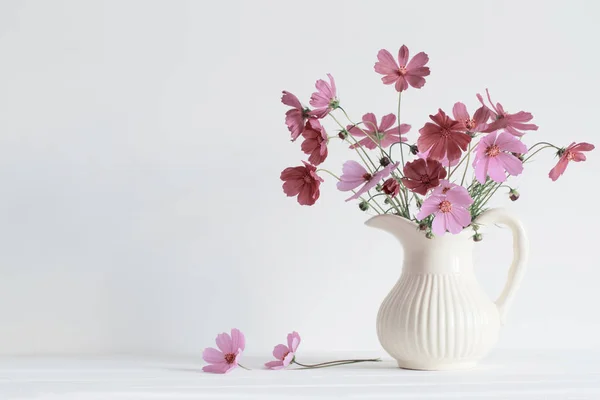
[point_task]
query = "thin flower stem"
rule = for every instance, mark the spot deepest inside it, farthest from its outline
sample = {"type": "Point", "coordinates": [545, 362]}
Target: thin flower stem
{"type": "Point", "coordinates": [357, 148]}
{"type": "Point", "coordinates": [378, 143]}
{"type": "Point", "coordinates": [329, 172]}
{"type": "Point", "coordinates": [537, 151]}
{"type": "Point", "coordinates": [399, 134]}
{"type": "Point", "coordinates": [545, 143]}
{"type": "Point", "coordinates": [241, 366]}
{"type": "Point", "coordinates": [466, 166]}
{"type": "Point", "coordinates": [336, 363]}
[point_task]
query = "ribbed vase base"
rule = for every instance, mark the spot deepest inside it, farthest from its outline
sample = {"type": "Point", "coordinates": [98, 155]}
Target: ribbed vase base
{"type": "Point", "coordinates": [435, 366]}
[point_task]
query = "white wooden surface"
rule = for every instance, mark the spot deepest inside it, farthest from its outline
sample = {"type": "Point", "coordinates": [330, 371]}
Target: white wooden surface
{"type": "Point", "coordinates": [511, 375]}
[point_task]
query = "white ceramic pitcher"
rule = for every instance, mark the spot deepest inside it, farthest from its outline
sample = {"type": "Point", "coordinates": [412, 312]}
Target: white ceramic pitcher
{"type": "Point", "coordinates": [437, 316]}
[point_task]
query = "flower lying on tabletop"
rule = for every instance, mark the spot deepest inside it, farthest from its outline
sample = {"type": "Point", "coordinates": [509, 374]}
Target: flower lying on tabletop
{"type": "Point", "coordinates": [303, 182]}
{"type": "Point", "coordinates": [382, 134]}
{"type": "Point", "coordinates": [449, 208]}
{"type": "Point", "coordinates": [226, 358]}
{"type": "Point", "coordinates": [315, 142]}
{"type": "Point", "coordinates": [286, 355]}
{"type": "Point", "coordinates": [296, 117]}
{"type": "Point", "coordinates": [444, 138]}
{"type": "Point", "coordinates": [354, 175]}
{"type": "Point", "coordinates": [571, 153]}
{"type": "Point", "coordinates": [494, 157]}
{"type": "Point", "coordinates": [441, 189]}
{"type": "Point", "coordinates": [403, 72]}
{"type": "Point", "coordinates": [513, 123]}
{"type": "Point", "coordinates": [325, 98]}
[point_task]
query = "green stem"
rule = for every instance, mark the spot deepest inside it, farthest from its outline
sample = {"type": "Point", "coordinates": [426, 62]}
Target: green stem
{"type": "Point", "coordinates": [329, 172]}
{"type": "Point", "coordinates": [399, 134]}
{"type": "Point", "coordinates": [241, 366]}
{"type": "Point", "coordinates": [466, 166]}
{"type": "Point", "coordinates": [537, 151]}
{"type": "Point", "coordinates": [334, 363]}
{"type": "Point", "coordinates": [358, 147]}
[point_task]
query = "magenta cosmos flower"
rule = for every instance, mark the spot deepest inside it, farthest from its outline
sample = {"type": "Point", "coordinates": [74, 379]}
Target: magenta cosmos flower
{"type": "Point", "coordinates": [443, 139]}
{"type": "Point", "coordinates": [303, 182]}
{"type": "Point", "coordinates": [449, 207]}
{"type": "Point", "coordinates": [325, 98]}
{"type": "Point", "coordinates": [571, 153]}
{"type": "Point", "coordinates": [421, 175]}
{"type": "Point", "coordinates": [285, 354]}
{"type": "Point", "coordinates": [354, 175]}
{"type": "Point", "coordinates": [383, 133]}
{"type": "Point", "coordinates": [296, 117]}
{"type": "Point", "coordinates": [403, 72]}
{"type": "Point", "coordinates": [226, 358]}
{"type": "Point", "coordinates": [493, 157]}
{"type": "Point", "coordinates": [476, 124]}
{"type": "Point", "coordinates": [315, 142]}
{"type": "Point", "coordinates": [515, 124]}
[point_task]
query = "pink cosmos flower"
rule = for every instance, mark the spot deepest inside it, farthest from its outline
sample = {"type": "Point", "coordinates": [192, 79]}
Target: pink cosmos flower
{"type": "Point", "coordinates": [443, 187]}
{"type": "Point", "coordinates": [325, 98]}
{"type": "Point", "coordinates": [421, 175]}
{"type": "Point", "coordinates": [445, 162]}
{"type": "Point", "coordinates": [285, 354]}
{"type": "Point", "coordinates": [450, 210]}
{"type": "Point", "coordinates": [315, 141]}
{"type": "Point", "coordinates": [391, 187]}
{"type": "Point", "coordinates": [226, 358]}
{"type": "Point", "coordinates": [513, 123]}
{"type": "Point", "coordinates": [296, 117]}
{"type": "Point", "coordinates": [354, 175]}
{"type": "Point", "coordinates": [571, 153]}
{"type": "Point", "coordinates": [493, 157]}
{"type": "Point", "coordinates": [476, 124]}
{"type": "Point", "coordinates": [403, 72]}
{"type": "Point", "coordinates": [382, 133]}
{"type": "Point", "coordinates": [443, 139]}
{"type": "Point", "coordinates": [302, 181]}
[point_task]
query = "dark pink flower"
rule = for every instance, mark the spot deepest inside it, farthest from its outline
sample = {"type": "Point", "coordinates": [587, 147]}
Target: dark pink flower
{"type": "Point", "coordinates": [383, 133]}
{"type": "Point", "coordinates": [571, 153]}
{"type": "Point", "coordinates": [315, 141]}
{"type": "Point", "coordinates": [493, 157]}
{"type": "Point", "coordinates": [296, 117]}
{"type": "Point", "coordinates": [513, 123]}
{"type": "Point", "coordinates": [325, 98]}
{"type": "Point", "coordinates": [450, 209]}
{"type": "Point", "coordinates": [476, 124]}
{"type": "Point", "coordinates": [302, 181]}
{"type": "Point", "coordinates": [354, 175]}
{"type": "Point", "coordinates": [285, 354]}
{"type": "Point", "coordinates": [391, 187]}
{"type": "Point", "coordinates": [226, 358]}
{"type": "Point", "coordinates": [421, 175]}
{"type": "Point", "coordinates": [444, 139]}
{"type": "Point", "coordinates": [403, 72]}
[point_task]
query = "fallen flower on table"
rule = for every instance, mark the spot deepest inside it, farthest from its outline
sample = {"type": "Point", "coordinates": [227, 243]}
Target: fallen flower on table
{"type": "Point", "coordinates": [226, 358]}
{"type": "Point", "coordinates": [286, 355]}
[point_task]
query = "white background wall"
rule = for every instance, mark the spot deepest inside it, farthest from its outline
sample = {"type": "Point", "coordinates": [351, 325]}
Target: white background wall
{"type": "Point", "coordinates": [141, 144]}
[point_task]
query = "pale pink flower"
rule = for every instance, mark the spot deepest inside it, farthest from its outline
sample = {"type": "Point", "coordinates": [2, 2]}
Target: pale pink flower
{"type": "Point", "coordinates": [493, 157]}
{"type": "Point", "coordinates": [383, 133]}
{"type": "Point", "coordinates": [296, 117]}
{"type": "Point", "coordinates": [513, 123]}
{"type": "Point", "coordinates": [476, 124]}
{"type": "Point", "coordinates": [354, 175]}
{"type": "Point", "coordinates": [449, 209]}
{"type": "Point", "coordinates": [303, 182]}
{"type": "Point", "coordinates": [226, 358]}
{"type": "Point", "coordinates": [403, 72]}
{"type": "Point", "coordinates": [325, 98]}
{"type": "Point", "coordinates": [443, 139]}
{"type": "Point", "coordinates": [285, 354]}
{"type": "Point", "coordinates": [315, 141]}
{"type": "Point", "coordinates": [444, 186]}
{"type": "Point", "coordinates": [571, 153]}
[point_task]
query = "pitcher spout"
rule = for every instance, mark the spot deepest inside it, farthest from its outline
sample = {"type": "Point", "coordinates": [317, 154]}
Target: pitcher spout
{"type": "Point", "coordinates": [403, 229]}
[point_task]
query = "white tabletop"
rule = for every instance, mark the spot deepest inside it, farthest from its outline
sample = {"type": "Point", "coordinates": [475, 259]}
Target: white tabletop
{"type": "Point", "coordinates": [510, 374]}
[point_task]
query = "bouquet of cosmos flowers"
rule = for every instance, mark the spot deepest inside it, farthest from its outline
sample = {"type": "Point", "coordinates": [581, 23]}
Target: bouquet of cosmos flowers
{"type": "Point", "coordinates": [435, 188]}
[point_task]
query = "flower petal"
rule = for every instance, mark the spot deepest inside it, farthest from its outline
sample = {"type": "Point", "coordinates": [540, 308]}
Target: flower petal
{"type": "Point", "coordinates": [386, 122]}
{"type": "Point", "coordinates": [293, 340]}
{"type": "Point", "coordinates": [213, 356]}
{"type": "Point", "coordinates": [438, 227]}
{"type": "Point", "coordinates": [238, 341]}
{"type": "Point", "coordinates": [510, 163]}
{"type": "Point", "coordinates": [277, 364]}
{"type": "Point", "coordinates": [222, 368]}
{"type": "Point", "coordinates": [370, 122]}
{"type": "Point", "coordinates": [559, 169]}
{"type": "Point", "coordinates": [459, 112]}
{"type": "Point", "coordinates": [386, 63]}
{"type": "Point", "coordinates": [418, 61]}
{"type": "Point", "coordinates": [403, 55]}
{"type": "Point", "coordinates": [291, 100]}
{"type": "Point", "coordinates": [224, 343]}
{"type": "Point", "coordinates": [280, 351]}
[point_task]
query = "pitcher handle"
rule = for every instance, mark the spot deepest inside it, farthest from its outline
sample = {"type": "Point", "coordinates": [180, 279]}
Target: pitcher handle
{"type": "Point", "coordinates": [520, 254]}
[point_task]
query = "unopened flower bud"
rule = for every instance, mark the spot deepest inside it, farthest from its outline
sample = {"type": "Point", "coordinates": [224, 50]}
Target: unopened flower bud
{"type": "Point", "coordinates": [385, 161]}
{"type": "Point", "coordinates": [519, 156]}
{"type": "Point", "coordinates": [363, 205]}
{"type": "Point", "coordinates": [514, 195]}
{"type": "Point", "coordinates": [379, 188]}
{"type": "Point", "coordinates": [429, 235]}
{"type": "Point", "coordinates": [414, 149]}
{"type": "Point", "coordinates": [391, 187]}
{"type": "Point", "coordinates": [478, 237]}
{"type": "Point", "coordinates": [419, 202]}
{"type": "Point", "coordinates": [422, 226]}
{"type": "Point", "coordinates": [343, 134]}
